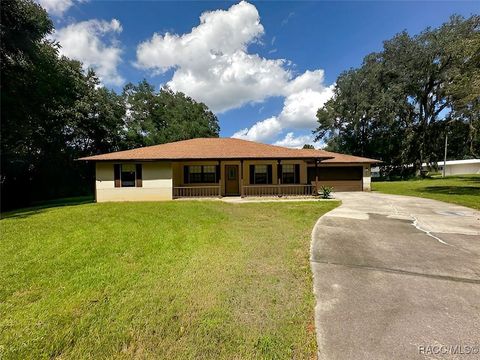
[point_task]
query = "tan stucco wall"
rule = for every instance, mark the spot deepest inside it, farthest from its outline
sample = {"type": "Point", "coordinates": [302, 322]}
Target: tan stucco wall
{"type": "Point", "coordinates": [156, 183]}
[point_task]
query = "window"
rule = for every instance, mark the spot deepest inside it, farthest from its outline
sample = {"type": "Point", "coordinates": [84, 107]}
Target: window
{"type": "Point", "coordinates": [209, 174]}
{"type": "Point", "coordinates": [288, 174]}
{"type": "Point", "coordinates": [261, 175]}
{"type": "Point", "coordinates": [195, 174]}
{"type": "Point", "coordinates": [128, 175]}
{"type": "Point", "coordinates": [232, 173]}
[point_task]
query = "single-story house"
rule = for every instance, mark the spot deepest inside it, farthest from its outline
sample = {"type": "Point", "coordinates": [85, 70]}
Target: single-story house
{"type": "Point", "coordinates": [215, 167]}
{"type": "Point", "coordinates": [457, 167]}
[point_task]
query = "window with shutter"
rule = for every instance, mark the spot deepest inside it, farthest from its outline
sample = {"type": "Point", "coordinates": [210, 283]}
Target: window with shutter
{"type": "Point", "coordinates": [261, 175]}
{"type": "Point", "coordinates": [127, 175]}
{"type": "Point", "coordinates": [198, 174]}
{"type": "Point", "coordinates": [288, 174]}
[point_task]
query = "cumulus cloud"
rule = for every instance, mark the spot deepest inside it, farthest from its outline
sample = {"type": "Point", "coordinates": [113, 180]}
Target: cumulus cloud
{"type": "Point", "coordinates": [299, 113]}
{"type": "Point", "coordinates": [56, 7]}
{"type": "Point", "coordinates": [292, 141]}
{"type": "Point", "coordinates": [212, 63]}
{"type": "Point", "coordinates": [93, 43]}
{"type": "Point", "coordinates": [300, 108]}
{"type": "Point", "coordinates": [261, 131]}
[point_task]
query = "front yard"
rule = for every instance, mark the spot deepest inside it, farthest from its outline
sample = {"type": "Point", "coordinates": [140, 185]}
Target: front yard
{"type": "Point", "coordinates": [170, 280]}
{"type": "Point", "coordinates": [462, 190]}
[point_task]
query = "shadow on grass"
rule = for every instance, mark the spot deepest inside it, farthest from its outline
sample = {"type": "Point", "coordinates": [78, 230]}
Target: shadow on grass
{"type": "Point", "coordinates": [473, 179]}
{"type": "Point", "coordinates": [451, 190]}
{"type": "Point", "coordinates": [40, 207]}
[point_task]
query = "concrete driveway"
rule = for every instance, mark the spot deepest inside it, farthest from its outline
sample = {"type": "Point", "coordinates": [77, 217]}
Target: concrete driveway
{"type": "Point", "coordinates": [397, 277]}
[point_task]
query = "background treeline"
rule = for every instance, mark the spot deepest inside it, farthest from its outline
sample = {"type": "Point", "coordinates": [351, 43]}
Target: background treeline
{"type": "Point", "coordinates": [399, 105]}
{"type": "Point", "coordinates": [52, 112]}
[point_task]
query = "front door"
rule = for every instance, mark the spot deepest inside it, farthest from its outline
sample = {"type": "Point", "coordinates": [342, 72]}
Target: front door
{"type": "Point", "coordinates": [231, 180]}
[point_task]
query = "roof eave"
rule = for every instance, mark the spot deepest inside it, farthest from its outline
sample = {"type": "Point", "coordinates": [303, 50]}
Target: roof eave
{"type": "Point", "coordinates": [321, 158]}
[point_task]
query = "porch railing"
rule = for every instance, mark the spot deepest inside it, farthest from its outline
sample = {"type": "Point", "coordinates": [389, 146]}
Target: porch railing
{"type": "Point", "coordinates": [196, 191]}
{"type": "Point", "coordinates": [278, 190]}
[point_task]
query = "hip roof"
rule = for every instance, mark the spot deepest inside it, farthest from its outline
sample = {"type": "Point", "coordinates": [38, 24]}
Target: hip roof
{"type": "Point", "coordinates": [222, 149]}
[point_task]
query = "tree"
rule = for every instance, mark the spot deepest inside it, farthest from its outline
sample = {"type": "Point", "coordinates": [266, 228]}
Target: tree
{"type": "Point", "coordinates": [164, 116]}
{"type": "Point", "coordinates": [54, 112]}
{"type": "Point", "coordinates": [308, 146]}
{"type": "Point", "coordinates": [396, 106]}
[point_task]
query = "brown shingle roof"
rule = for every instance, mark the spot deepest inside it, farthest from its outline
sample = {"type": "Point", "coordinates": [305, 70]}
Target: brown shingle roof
{"type": "Point", "coordinates": [222, 148]}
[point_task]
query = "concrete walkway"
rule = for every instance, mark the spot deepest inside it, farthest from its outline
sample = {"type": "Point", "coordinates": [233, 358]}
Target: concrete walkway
{"type": "Point", "coordinates": [252, 199]}
{"type": "Point", "coordinates": [397, 277]}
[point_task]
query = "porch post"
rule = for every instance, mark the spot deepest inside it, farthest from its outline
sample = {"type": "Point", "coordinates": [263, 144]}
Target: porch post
{"type": "Point", "coordinates": [316, 176]}
{"type": "Point", "coordinates": [220, 179]}
{"type": "Point", "coordinates": [279, 180]}
{"type": "Point", "coordinates": [241, 178]}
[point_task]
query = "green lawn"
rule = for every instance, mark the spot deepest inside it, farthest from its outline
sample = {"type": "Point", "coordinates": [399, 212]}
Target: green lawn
{"type": "Point", "coordinates": [173, 280]}
{"type": "Point", "coordinates": [462, 190]}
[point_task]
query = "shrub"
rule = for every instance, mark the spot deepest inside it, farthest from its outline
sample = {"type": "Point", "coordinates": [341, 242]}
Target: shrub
{"type": "Point", "coordinates": [326, 191]}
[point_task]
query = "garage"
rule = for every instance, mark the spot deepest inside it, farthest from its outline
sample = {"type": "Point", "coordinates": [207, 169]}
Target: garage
{"type": "Point", "coordinates": [341, 178]}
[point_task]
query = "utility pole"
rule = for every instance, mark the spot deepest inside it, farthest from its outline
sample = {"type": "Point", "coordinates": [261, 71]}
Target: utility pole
{"type": "Point", "coordinates": [445, 156]}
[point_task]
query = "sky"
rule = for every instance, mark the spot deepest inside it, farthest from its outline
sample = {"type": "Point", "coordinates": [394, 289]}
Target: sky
{"type": "Point", "coordinates": [264, 68]}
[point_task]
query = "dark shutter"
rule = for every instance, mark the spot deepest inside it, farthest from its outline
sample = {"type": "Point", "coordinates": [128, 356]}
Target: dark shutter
{"type": "Point", "coordinates": [139, 174]}
{"type": "Point", "coordinates": [252, 174]}
{"type": "Point", "coordinates": [279, 172]}
{"type": "Point", "coordinates": [185, 174]}
{"type": "Point", "coordinates": [297, 173]}
{"type": "Point", "coordinates": [116, 174]}
{"type": "Point", "coordinates": [269, 174]}
{"type": "Point", "coordinates": [217, 170]}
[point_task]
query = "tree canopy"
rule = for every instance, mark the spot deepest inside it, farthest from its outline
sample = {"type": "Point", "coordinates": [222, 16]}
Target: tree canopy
{"type": "Point", "coordinates": [53, 112]}
{"type": "Point", "coordinates": [401, 102]}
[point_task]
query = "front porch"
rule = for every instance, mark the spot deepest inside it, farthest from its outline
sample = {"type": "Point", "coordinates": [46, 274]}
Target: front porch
{"type": "Point", "coordinates": [244, 178]}
{"type": "Point", "coordinates": [249, 190]}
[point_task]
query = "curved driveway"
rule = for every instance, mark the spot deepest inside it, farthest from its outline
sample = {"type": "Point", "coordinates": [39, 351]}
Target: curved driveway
{"type": "Point", "coordinates": [396, 277]}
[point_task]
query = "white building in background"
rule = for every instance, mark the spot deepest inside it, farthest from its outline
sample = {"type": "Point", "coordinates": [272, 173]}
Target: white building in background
{"type": "Point", "coordinates": [457, 167]}
{"type": "Point", "coordinates": [453, 167]}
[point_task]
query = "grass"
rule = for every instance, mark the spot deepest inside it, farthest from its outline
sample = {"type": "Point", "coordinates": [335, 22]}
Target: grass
{"type": "Point", "coordinates": [462, 190]}
{"type": "Point", "coordinates": [173, 280]}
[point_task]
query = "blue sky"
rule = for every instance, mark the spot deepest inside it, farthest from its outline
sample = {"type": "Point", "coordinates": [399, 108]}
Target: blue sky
{"type": "Point", "coordinates": [263, 67]}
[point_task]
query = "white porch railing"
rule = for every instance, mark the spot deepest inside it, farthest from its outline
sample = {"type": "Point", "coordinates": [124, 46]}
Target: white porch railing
{"type": "Point", "coordinates": [196, 191]}
{"type": "Point", "coordinates": [279, 190]}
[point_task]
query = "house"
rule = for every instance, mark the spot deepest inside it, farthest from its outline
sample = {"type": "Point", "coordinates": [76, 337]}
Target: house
{"type": "Point", "coordinates": [457, 167]}
{"type": "Point", "coordinates": [215, 167]}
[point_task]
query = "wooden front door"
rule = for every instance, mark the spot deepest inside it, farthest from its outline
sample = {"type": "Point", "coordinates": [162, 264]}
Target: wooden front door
{"type": "Point", "coordinates": [231, 180]}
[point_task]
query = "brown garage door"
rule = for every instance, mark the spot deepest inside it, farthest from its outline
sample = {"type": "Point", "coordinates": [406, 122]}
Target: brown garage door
{"type": "Point", "coordinates": [341, 178]}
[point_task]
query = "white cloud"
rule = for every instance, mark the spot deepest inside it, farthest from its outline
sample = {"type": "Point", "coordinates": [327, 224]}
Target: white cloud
{"type": "Point", "coordinates": [93, 43]}
{"type": "Point", "coordinates": [300, 108]}
{"type": "Point", "coordinates": [212, 63]}
{"type": "Point", "coordinates": [261, 131]}
{"type": "Point", "coordinates": [292, 141]}
{"type": "Point", "coordinates": [308, 80]}
{"type": "Point", "coordinates": [299, 113]}
{"type": "Point", "coordinates": [56, 7]}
